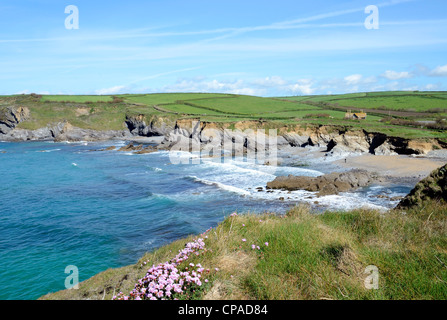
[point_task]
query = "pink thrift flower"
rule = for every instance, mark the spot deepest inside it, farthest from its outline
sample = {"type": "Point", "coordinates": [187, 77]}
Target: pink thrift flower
{"type": "Point", "coordinates": [266, 244]}
{"type": "Point", "coordinates": [244, 240]}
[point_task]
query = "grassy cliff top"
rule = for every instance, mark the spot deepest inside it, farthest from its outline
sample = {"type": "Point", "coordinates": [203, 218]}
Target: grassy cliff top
{"type": "Point", "coordinates": [304, 256]}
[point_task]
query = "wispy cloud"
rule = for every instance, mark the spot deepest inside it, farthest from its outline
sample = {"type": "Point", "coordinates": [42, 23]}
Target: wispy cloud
{"type": "Point", "coordinates": [439, 71]}
{"type": "Point", "coordinates": [394, 75]}
{"type": "Point", "coordinates": [300, 23]}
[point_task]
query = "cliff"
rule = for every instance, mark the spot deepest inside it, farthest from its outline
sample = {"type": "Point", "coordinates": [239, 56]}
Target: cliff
{"type": "Point", "coordinates": [11, 116]}
{"type": "Point", "coordinates": [299, 256]}
{"type": "Point", "coordinates": [249, 135]}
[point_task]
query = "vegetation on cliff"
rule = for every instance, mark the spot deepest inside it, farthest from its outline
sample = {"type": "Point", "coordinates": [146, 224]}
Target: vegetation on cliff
{"type": "Point", "coordinates": [303, 255]}
{"type": "Point", "coordinates": [397, 114]}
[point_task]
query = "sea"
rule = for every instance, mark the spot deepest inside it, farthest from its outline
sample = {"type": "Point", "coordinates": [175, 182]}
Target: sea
{"type": "Point", "coordinates": [68, 204]}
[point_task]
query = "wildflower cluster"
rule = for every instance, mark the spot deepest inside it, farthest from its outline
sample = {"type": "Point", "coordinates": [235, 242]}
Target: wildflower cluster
{"type": "Point", "coordinates": [166, 281]}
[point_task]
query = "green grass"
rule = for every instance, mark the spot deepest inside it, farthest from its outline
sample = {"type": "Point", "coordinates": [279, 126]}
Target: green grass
{"type": "Point", "coordinates": [401, 103]}
{"type": "Point", "coordinates": [249, 105]}
{"type": "Point", "coordinates": [165, 98]}
{"type": "Point", "coordinates": [390, 100]}
{"type": "Point", "coordinates": [189, 110]}
{"type": "Point", "coordinates": [107, 113]}
{"type": "Point", "coordinates": [309, 256]}
{"type": "Point", "coordinates": [75, 98]}
{"type": "Point", "coordinates": [99, 116]}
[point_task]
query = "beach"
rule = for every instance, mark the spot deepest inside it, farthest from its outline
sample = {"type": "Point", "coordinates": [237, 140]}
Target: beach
{"type": "Point", "coordinates": [396, 166]}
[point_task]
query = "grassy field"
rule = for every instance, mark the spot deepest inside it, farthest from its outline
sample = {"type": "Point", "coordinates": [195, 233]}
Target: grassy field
{"type": "Point", "coordinates": [306, 256]}
{"type": "Point", "coordinates": [79, 99]}
{"type": "Point", "coordinates": [395, 100]}
{"type": "Point", "coordinates": [109, 112]}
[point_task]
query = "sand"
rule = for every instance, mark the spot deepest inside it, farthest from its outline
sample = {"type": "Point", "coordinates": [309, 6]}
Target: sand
{"type": "Point", "coordinates": [394, 166]}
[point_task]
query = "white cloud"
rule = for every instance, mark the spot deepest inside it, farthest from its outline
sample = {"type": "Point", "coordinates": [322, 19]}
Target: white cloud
{"type": "Point", "coordinates": [431, 86]}
{"type": "Point", "coordinates": [353, 79]}
{"type": "Point", "coordinates": [112, 90]}
{"type": "Point", "coordinates": [303, 86]}
{"type": "Point", "coordinates": [214, 86]}
{"type": "Point", "coordinates": [274, 81]}
{"type": "Point", "coordinates": [394, 75]}
{"type": "Point", "coordinates": [439, 71]}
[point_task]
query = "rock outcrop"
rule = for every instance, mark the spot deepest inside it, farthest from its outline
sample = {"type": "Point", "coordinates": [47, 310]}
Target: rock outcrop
{"type": "Point", "coordinates": [434, 187]}
{"type": "Point", "coordinates": [140, 125]}
{"type": "Point", "coordinates": [230, 138]}
{"type": "Point", "coordinates": [10, 117]}
{"type": "Point", "coordinates": [138, 149]}
{"type": "Point", "coordinates": [63, 131]}
{"type": "Point", "coordinates": [328, 184]}
{"type": "Point", "coordinates": [250, 135]}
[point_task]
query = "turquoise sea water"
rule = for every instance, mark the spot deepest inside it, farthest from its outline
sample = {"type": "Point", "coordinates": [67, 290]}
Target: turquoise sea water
{"type": "Point", "coordinates": [65, 204]}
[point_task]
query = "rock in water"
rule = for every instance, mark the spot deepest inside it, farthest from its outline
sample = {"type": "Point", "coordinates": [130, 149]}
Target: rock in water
{"type": "Point", "coordinates": [434, 187]}
{"type": "Point", "coordinates": [328, 184]}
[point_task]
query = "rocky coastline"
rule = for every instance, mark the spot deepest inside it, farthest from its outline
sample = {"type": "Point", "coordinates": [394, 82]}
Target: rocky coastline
{"type": "Point", "coordinates": [249, 135]}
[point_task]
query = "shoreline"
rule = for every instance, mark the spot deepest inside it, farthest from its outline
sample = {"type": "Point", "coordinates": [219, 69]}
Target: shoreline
{"type": "Point", "coordinates": [394, 166]}
{"type": "Point", "coordinates": [410, 168]}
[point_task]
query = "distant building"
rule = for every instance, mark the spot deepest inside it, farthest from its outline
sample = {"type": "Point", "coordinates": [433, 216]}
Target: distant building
{"type": "Point", "coordinates": [355, 116]}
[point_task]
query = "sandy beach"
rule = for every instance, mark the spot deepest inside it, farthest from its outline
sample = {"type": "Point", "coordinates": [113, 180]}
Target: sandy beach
{"type": "Point", "coordinates": [397, 166]}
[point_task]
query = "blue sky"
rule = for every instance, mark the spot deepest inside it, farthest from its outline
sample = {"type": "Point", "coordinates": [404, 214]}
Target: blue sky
{"type": "Point", "coordinates": [266, 48]}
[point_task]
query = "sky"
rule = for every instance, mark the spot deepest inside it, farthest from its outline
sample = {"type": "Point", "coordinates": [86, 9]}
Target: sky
{"type": "Point", "coordinates": [253, 47]}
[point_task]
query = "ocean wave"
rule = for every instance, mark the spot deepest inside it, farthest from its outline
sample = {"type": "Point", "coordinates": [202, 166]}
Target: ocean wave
{"type": "Point", "coordinates": [220, 185]}
{"type": "Point", "coordinates": [50, 150]}
{"type": "Point", "coordinates": [231, 167]}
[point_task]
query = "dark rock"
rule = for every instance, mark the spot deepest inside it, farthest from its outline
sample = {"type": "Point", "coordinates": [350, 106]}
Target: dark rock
{"type": "Point", "coordinates": [146, 150]}
{"type": "Point", "coordinates": [10, 117]}
{"type": "Point", "coordinates": [332, 183]}
{"type": "Point", "coordinates": [434, 187]}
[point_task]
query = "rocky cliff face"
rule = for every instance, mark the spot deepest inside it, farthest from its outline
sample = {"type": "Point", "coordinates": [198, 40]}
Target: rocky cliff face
{"type": "Point", "coordinates": [63, 131]}
{"type": "Point", "coordinates": [434, 187]}
{"type": "Point", "coordinates": [10, 117]}
{"type": "Point", "coordinates": [140, 125]}
{"type": "Point", "coordinates": [335, 140]}
{"type": "Point", "coordinates": [186, 134]}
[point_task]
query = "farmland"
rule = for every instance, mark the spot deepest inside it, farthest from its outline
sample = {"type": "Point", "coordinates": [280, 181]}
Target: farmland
{"type": "Point", "coordinates": [393, 113]}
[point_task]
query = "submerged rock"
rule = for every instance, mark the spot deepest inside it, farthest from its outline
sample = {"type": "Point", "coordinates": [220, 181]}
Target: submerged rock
{"type": "Point", "coordinates": [328, 184]}
{"type": "Point", "coordinates": [138, 149]}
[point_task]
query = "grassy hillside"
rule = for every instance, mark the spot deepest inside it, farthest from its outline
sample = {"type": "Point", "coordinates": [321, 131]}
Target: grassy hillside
{"type": "Point", "coordinates": [304, 256]}
{"type": "Point", "coordinates": [393, 113]}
